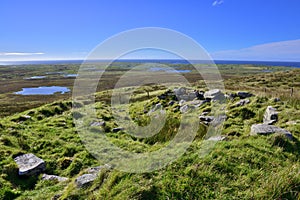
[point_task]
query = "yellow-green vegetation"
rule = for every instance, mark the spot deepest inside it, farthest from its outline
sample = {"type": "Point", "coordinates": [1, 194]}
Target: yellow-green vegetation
{"type": "Point", "coordinates": [242, 167]}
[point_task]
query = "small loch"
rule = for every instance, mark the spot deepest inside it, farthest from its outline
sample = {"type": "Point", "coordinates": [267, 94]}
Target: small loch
{"type": "Point", "coordinates": [43, 90]}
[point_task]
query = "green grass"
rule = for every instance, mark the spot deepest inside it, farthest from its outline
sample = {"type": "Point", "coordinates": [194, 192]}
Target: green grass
{"type": "Point", "coordinates": [243, 167]}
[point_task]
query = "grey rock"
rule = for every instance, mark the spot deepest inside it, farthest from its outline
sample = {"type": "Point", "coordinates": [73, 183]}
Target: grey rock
{"type": "Point", "coordinates": [217, 138]}
{"type": "Point", "coordinates": [214, 94]}
{"type": "Point", "coordinates": [181, 102]}
{"type": "Point", "coordinates": [53, 178]}
{"type": "Point", "coordinates": [244, 95]}
{"type": "Point", "coordinates": [98, 123]}
{"type": "Point", "coordinates": [98, 169]}
{"type": "Point", "coordinates": [180, 91]}
{"type": "Point", "coordinates": [29, 164]}
{"type": "Point", "coordinates": [264, 129]}
{"type": "Point", "coordinates": [184, 108]}
{"type": "Point", "coordinates": [85, 180]}
{"type": "Point", "coordinates": [270, 116]}
{"type": "Point", "coordinates": [197, 103]}
{"type": "Point", "coordinates": [242, 102]}
{"type": "Point", "coordinates": [212, 119]}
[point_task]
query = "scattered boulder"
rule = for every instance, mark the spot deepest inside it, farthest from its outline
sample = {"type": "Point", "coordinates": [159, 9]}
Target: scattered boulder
{"type": "Point", "coordinates": [244, 95]}
{"type": "Point", "coordinates": [85, 180]}
{"type": "Point", "coordinates": [270, 116]}
{"type": "Point", "coordinates": [54, 178]}
{"type": "Point", "coordinates": [214, 94]}
{"type": "Point", "coordinates": [29, 164]}
{"type": "Point", "coordinates": [265, 129]}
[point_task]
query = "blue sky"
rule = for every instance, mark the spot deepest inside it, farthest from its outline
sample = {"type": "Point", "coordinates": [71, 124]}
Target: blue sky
{"type": "Point", "coordinates": [227, 29]}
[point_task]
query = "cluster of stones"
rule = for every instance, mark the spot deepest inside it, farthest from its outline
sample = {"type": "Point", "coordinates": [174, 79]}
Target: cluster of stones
{"type": "Point", "coordinates": [267, 127]}
{"type": "Point", "coordinates": [31, 165]}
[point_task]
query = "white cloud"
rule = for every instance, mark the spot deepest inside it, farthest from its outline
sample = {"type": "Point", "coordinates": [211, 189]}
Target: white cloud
{"type": "Point", "coordinates": [19, 54]}
{"type": "Point", "coordinates": [276, 51]}
{"type": "Point", "coordinates": [217, 2]}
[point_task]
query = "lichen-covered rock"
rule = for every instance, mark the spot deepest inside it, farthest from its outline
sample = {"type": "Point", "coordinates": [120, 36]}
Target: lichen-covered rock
{"type": "Point", "coordinates": [54, 178]}
{"type": "Point", "coordinates": [85, 180]}
{"type": "Point", "coordinates": [29, 164]}
{"type": "Point", "coordinates": [265, 129]}
{"type": "Point", "coordinates": [270, 116]}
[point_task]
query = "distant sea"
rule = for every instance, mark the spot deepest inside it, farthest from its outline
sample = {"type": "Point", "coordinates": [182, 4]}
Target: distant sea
{"type": "Point", "coordinates": [258, 63]}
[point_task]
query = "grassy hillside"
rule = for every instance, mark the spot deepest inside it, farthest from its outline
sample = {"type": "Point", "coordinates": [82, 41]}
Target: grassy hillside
{"type": "Point", "coordinates": [241, 167]}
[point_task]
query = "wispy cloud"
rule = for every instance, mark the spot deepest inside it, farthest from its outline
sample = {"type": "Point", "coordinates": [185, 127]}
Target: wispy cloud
{"type": "Point", "coordinates": [20, 53]}
{"type": "Point", "coordinates": [217, 2]}
{"type": "Point", "coordinates": [277, 51]}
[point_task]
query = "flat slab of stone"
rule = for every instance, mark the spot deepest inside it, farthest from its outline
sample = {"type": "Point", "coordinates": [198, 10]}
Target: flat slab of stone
{"type": "Point", "coordinates": [54, 178]}
{"type": "Point", "coordinates": [29, 164]}
{"type": "Point", "coordinates": [264, 129]}
{"type": "Point", "coordinates": [85, 180]}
